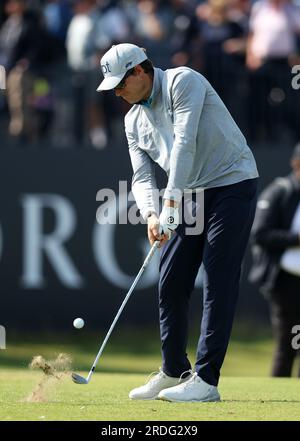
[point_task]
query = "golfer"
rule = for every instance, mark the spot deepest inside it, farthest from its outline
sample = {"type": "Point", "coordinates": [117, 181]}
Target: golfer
{"type": "Point", "coordinates": [178, 121]}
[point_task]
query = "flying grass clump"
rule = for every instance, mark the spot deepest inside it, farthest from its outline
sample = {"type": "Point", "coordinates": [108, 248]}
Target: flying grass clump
{"type": "Point", "coordinates": [53, 372]}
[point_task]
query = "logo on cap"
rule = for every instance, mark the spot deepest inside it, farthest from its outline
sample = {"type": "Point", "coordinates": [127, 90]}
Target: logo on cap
{"type": "Point", "coordinates": [128, 64]}
{"type": "Point", "coordinates": [105, 68]}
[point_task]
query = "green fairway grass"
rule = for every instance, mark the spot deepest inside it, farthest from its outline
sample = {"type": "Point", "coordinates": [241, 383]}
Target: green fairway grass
{"type": "Point", "coordinates": [246, 390]}
{"type": "Point", "coordinates": [105, 398]}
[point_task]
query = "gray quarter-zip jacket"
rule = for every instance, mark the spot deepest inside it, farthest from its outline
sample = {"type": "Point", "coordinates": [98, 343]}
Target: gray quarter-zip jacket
{"type": "Point", "coordinates": [189, 132]}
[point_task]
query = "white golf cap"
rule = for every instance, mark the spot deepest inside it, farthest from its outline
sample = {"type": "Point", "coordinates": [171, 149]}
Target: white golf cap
{"type": "Point", "coordinates": [117, 61]}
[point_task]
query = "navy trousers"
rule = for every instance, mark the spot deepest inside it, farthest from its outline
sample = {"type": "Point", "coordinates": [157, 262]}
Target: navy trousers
{"type": "Point", "coordinates": [228, 216]}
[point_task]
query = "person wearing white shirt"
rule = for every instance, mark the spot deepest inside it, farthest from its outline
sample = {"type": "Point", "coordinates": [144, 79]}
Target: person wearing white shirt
{"type": "Point", "coordinates": [274, 30]}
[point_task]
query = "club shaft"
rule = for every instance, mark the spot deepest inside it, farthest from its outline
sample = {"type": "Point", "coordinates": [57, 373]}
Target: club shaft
{"type": "Point", "coordinates": [144, 266]}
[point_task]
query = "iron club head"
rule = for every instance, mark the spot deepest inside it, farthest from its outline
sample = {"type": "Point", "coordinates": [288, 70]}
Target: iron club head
{"type": "Point", "coordinates": [78, 379]}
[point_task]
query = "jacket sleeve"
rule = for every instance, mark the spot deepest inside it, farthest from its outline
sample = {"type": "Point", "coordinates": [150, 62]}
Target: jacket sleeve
{"type": "Point", "coordinates": [144, 186]}
{"type": "Point", "coordinates": [267, 230]}
{"type": "Point", "coordinates": [188, 94]}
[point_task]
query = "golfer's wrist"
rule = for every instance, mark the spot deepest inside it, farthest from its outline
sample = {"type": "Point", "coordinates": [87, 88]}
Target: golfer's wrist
{"type": "Point", "coordinates": [170, 203]}
{"type": "Point", "coordinates": [151, 215]}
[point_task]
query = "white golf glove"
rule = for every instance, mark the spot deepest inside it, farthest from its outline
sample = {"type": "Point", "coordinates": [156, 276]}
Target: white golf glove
{"type": "Point", "coordinates": [168, 220]}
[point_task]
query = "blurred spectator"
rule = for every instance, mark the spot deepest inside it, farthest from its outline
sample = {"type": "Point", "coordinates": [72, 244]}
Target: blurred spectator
{"type": "Point", "coordinates": [41, 41]}
{"type": "Point", "coordinates": [239, 11]}
{"type": "Point", "coordinates": [26, 52]}
{"type": "Point", "coordinates": [94, 27]}
{"type": "Point", "coordinates": [220, 39]}
{"type": "Point", "coordinates": [238, 89]}
{"type": "Point", "coordinates": [276, 267]}
{"type": "Point", "coordinates": [152, 24]}
{"type": "Point", "coordinates": [274, 26]}
{"type": "Point", "coordinates": [57, 15]}
{"type": "Point", "coordinates": [182, 33]}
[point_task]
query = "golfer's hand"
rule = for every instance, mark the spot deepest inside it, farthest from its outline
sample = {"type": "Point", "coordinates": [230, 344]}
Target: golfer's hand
{"type": "Point", "coordinates": [153, 231]}
{"type": "Point", "coordinates": [168, 219]}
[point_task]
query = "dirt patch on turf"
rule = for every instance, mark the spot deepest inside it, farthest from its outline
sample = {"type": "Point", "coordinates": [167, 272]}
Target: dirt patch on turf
{"type": "Point", "coordinates": [54, 371]}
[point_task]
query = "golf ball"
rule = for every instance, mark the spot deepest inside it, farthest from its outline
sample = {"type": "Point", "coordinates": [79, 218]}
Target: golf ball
{"type": "Point", "coordinates": [78, 323]}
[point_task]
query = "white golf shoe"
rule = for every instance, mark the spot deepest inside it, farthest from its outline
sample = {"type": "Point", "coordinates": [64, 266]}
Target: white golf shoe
{"type": "Point", "coordinates": [151, 389]}
{"type": "Point", "coordinates": [192, 390]}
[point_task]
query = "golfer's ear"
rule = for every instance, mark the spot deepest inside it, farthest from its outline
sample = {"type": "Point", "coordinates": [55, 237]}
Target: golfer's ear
{"type": "Point", "coordinates": [138, 69]}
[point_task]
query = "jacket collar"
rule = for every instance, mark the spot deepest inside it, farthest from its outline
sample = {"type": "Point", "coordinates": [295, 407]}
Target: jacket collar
{"type": "Point", "coordinates": [156, 89]}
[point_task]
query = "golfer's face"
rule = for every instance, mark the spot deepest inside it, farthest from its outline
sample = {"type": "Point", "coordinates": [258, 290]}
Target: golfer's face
{"type": "Point", "coordinates": [133, 89]}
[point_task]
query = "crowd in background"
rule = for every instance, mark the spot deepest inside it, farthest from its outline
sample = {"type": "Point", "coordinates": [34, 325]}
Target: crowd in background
{"type": "Point", "coordinates": [51, 51]}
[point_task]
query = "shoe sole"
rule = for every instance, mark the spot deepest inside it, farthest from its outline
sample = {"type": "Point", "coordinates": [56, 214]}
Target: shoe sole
{"type": "Point", "coordinates": [214, 400]}
{"type": "Point", "coordinates": [144, 399]}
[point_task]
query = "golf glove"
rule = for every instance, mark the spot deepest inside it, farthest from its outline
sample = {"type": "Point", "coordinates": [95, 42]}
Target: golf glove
{"type": "Point", "coordinates": [168, 220]}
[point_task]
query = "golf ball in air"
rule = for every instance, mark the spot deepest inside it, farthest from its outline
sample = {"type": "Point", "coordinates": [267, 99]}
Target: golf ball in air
{"type": "Point", "coordinates": [78, 323]}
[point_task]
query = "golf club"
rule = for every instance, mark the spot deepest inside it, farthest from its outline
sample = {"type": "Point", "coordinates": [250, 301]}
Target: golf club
{"type": "Point", "coordinates": [78, 379]}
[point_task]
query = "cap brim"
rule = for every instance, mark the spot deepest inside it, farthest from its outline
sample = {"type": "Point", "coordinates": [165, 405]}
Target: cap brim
{"type": "Point", "coordinates": [110, 82]}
